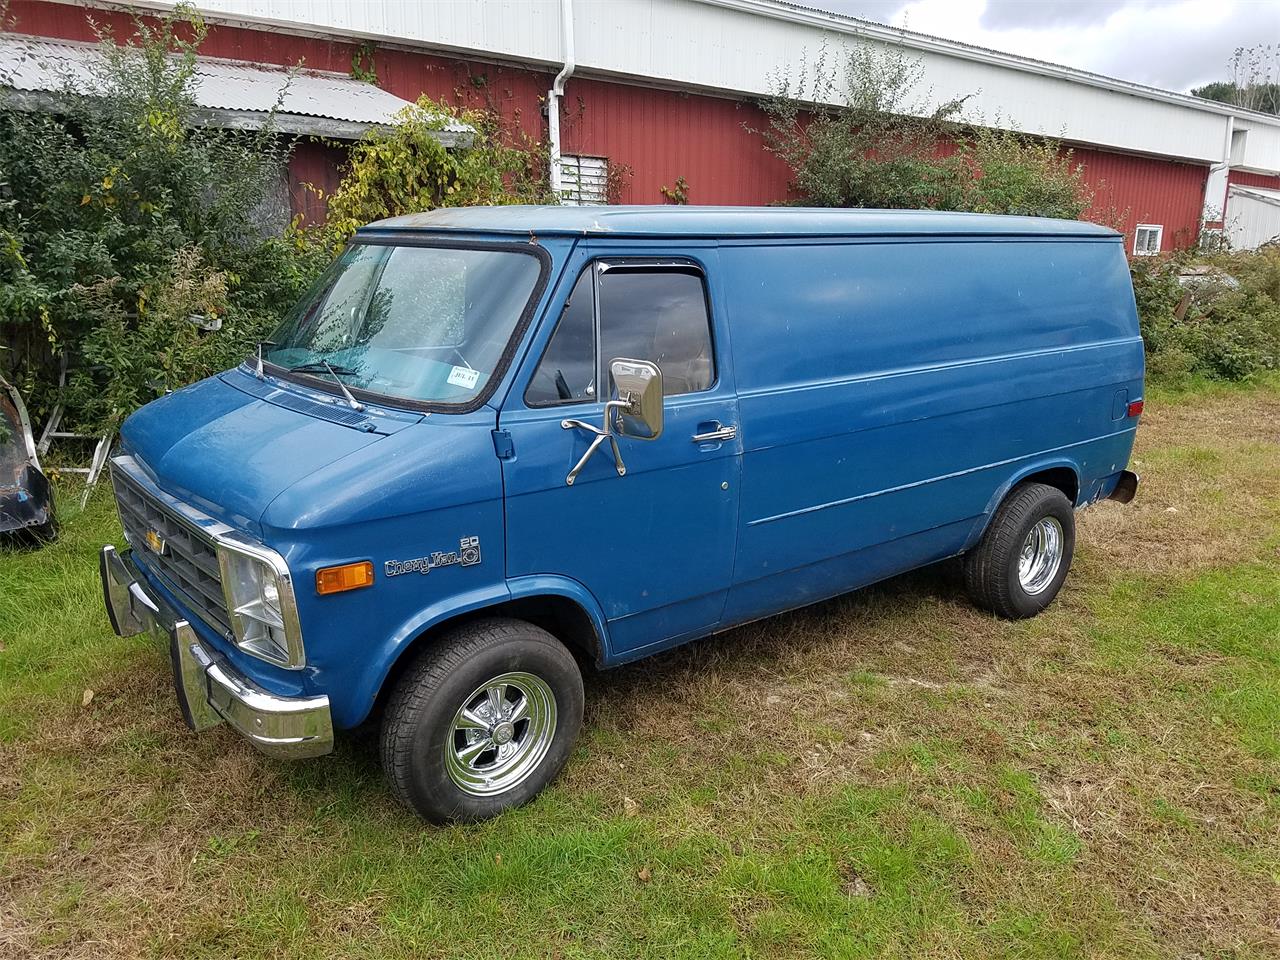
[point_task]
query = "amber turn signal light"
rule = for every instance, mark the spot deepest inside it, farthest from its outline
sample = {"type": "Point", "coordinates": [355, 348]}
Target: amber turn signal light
{"type": "Point", "coordinates": [349, 576]}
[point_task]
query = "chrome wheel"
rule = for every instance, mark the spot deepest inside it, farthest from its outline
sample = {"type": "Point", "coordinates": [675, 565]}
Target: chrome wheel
{"type": "Point", "coordinates": [500, 734]}
{"type": "Point", "coordinates": [1041, 555]}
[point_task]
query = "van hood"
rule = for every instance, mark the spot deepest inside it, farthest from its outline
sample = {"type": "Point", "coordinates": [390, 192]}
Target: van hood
{"type": "Point", "coordinates": [231, 444]}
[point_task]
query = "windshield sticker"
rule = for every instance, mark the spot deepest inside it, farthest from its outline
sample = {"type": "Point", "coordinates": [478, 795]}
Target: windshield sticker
{"type": "Point", "coordinates": [467, 555]}
{"type": "Point", "coordinates": [464, 377]}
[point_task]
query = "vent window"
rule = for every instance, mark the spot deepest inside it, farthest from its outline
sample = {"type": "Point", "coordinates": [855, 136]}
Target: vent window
{"type": "Point", "coordinates": [584, 181]}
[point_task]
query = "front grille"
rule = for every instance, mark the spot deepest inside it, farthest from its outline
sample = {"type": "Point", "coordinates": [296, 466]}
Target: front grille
{"type": "Point", "coordinates": [188, 562]}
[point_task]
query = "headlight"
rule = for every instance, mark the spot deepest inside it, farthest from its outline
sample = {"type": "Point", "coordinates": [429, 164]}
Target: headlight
{"type": "Point", "coordinates": [259, 594]}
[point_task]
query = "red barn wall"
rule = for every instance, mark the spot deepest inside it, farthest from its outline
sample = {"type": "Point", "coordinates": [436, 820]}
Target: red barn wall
{"type": "Point", "coordinates": [1129, 190]}
{"type": "Point", "coordinates": [1266, 181]}
{"type": "Point", "coordinates": [657, 135]}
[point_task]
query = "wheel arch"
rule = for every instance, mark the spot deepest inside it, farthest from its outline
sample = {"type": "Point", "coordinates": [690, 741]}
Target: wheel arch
{"type": "Point", "coordinates": [562, 607]}
{"type": "Point", "coordinates": [1061, 473]}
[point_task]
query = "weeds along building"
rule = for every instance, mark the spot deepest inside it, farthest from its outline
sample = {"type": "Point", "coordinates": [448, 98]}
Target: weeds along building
{"type": "Point", "coordinates": [646, 93]}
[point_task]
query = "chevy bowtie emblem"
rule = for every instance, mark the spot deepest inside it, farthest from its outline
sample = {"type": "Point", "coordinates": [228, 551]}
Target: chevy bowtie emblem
{"type": "Point", "coordinates": [156, 543]}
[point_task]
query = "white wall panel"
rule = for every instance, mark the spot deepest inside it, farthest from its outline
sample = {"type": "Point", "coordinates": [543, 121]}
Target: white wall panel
{"type": "Point", "coordinates": [1261, 145]}
{"type": "Point", "coordinates": [519, 29]}
{"type": "Point", "coordinates": [1253, 217]}
{"type": "Point", "coordinates": [738, 47]}
{"type": "Point", "coordinates": [718, 47]}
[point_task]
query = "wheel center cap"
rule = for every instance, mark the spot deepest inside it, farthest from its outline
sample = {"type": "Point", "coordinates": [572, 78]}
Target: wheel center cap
{"type": "Point", "coordinates": [503, 732]}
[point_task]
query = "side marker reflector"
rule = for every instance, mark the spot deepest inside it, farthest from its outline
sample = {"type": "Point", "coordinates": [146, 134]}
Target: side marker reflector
{"type": "Point", "coordinates": [348, 576]}
{"type": "Point", "coordinates": [1135, 408]}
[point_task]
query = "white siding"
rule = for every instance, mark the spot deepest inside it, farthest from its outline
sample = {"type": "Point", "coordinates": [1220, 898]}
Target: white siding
{"type": "Point", "coordinates": [706, 45]}
{"type": "Point", "coordinates": [1253, 217]}
{"type": "Point", "coordinates": [1261, 146]}
{"type": "Point", "coordinates": [735, 47]}
{"type": "Point", "coordinates": [519, 29]}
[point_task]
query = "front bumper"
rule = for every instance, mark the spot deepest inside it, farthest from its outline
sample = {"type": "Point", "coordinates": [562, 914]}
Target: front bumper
{"type": "Point", "coordinates": [210, 690]}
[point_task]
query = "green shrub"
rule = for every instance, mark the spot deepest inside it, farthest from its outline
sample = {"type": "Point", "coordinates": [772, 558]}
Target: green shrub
{"type": "Point", "coordinates": [1214, 329]}
{"type": "Point", "coordinates": [405, 169]}
{"type": "Point", "coordinates": [113, 211]}
{"type": "Point", "coordinates": [857, 134]}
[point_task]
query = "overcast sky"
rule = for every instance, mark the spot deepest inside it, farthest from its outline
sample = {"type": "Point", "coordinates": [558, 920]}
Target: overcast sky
{"type": "Point", "coordinates": [1173, 44]}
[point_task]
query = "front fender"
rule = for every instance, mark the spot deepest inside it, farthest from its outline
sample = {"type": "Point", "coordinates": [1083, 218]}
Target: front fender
{"type": "Point", "coordinates": [356, 705]}
{"type": "Point", "coordinates": [554, 585]}
{"type": "Point", "coordinates": [369, 675]}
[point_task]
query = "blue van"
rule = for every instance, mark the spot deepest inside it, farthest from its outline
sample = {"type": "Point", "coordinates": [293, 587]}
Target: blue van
{"type": "Point", "coordinates": [493, 444]}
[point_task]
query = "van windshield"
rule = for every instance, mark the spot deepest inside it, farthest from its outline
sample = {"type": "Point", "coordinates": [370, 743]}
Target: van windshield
{"type": "Point", "coordinates": [428, 324]}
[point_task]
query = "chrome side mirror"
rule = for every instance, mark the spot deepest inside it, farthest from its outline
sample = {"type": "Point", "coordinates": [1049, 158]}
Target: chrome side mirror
{"type": "Point", "coordinates": [636, 412]}
{"type": "Point", "coordinates": [638, 384]}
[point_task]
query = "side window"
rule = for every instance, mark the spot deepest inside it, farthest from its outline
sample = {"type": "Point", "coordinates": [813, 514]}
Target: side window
{"type": "Point", "coordinates": [646, 313]}
{"type": "Point", "coordinates": [658, 315]}
{"type": "Point", "coordinates": [567, 371]}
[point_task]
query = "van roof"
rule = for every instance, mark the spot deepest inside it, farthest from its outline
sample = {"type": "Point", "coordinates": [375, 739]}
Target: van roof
{"type": "Point", "coordinates": [679, 221]}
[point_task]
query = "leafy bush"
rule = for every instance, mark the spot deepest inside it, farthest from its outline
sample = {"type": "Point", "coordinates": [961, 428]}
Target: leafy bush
{"type": "Point", "coordinates": [1215, 328]}
{"type": "Point", "coordinates": [406, 169]}
{"type": "Point", "coordinates": [878, 148]}
{"type": "Point", "coordinates": [128, 232]}
{"type": "Point", "coordinates": [114, 212]}
{"type": "Point", "coordinates": [856, 134]}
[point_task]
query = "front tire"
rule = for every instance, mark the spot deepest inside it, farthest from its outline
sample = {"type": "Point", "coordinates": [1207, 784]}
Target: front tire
{"type": "Point", "coordinates": [1023, 557]}
{"type": "Point", "coordinates": [482, 721]}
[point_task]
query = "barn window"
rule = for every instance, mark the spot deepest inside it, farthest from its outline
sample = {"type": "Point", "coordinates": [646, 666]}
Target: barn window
{"type": "Point", "coordinates": [1146, 239]}
{"type": "Point", "coordinates": [584, 181]}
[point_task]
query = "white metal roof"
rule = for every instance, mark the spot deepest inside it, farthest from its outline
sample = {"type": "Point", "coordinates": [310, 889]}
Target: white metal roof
{"type": "Point", "coordinates": [228, 93]}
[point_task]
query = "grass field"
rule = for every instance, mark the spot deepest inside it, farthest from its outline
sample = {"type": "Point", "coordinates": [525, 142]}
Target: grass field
{"type": "Point", "coordinates": [887, 774]}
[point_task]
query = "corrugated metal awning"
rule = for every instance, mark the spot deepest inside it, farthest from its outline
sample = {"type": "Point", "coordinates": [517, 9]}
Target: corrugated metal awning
{"type": "Point", "coordinates": [228, 93]}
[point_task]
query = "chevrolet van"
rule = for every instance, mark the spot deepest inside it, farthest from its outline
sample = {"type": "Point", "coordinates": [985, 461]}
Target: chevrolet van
{"type": "Point", "coordinates": [492, 445]}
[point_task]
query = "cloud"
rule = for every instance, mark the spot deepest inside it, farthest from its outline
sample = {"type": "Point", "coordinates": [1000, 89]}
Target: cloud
{"type": "Point", "coordinates": [1004, 14]}
{"type": "Point", "coordinates": [1172, 44]}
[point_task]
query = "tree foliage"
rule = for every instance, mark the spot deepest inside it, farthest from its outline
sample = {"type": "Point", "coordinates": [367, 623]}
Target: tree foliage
{"type": "Point", "coordinates": [407, 169]}
{"type": "Point", "coordinates": [114, 206]}
{"type": "Point", "coordinates": [857, 132]}
{"type": "Point", "coordinates": [1254, 82]}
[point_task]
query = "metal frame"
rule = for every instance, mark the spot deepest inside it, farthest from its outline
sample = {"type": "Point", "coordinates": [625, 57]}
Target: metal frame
{"type": "Point", "coordinates": [1137, 231]}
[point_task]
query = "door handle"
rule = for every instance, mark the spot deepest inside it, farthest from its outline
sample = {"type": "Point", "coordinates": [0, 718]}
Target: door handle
{"type": "Point", "coordinates": [718, 435]}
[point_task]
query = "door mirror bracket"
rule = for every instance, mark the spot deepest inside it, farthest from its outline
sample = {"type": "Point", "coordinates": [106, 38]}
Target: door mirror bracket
{"type": "Point", "coordinates": [637, 413]}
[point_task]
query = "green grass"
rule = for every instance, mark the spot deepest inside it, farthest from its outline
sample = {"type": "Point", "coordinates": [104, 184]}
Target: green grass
{"type": "Point", "coordinates": [887, 774]}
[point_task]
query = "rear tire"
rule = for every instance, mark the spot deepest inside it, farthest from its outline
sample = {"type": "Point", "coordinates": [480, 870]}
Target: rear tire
{"type": "Point", "coordinates": [1022, 560]}
{"type": "Point", "coordinates": [484, 719]}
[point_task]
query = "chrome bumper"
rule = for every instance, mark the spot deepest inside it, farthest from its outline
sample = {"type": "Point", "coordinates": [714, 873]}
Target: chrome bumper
{"type": "Point", "coordinates": [210, 690]}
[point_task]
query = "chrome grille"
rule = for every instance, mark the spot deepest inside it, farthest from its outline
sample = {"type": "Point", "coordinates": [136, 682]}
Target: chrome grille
{"type": "Point", "coordinates": [188, 563]}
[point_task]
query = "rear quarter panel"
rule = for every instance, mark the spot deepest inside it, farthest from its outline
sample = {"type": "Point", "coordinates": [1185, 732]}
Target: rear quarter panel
{"type": "Point", "coordinates": [890, 390]}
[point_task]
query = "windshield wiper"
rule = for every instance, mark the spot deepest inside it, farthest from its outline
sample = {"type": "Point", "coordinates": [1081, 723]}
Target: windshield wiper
{"type": "Point", "coordinates": [321, 366]}
{"type": "Point", "coordinates": [259, 372]}
{"type": "Point", "coordinates": [337, 373]}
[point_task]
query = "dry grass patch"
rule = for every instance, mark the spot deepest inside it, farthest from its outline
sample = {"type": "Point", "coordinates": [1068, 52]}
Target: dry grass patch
{"type": "Point", "coordinates": [890, 772]}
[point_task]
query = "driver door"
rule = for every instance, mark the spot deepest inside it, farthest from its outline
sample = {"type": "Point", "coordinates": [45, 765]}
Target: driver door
{"type": "Point", "coordinates": [654, 546]}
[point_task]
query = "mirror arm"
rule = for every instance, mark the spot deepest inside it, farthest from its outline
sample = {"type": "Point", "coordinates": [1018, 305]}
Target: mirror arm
{"type": "Point", "coordinates": [601, 435]}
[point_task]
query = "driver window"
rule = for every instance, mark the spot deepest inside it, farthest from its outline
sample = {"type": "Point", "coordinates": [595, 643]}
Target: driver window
{"type": "Point", "coordinates": [658, 315]}
{"type": "Point", "coordinates": [646, 313]}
